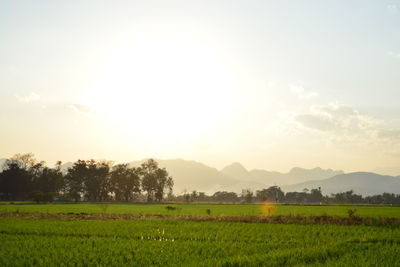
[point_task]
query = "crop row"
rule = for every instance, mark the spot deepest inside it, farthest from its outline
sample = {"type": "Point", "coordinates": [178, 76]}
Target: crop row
{"type": "Point", "coordinates": [205, 209]}
{"type": "Point", "coordinates": [186, 243]}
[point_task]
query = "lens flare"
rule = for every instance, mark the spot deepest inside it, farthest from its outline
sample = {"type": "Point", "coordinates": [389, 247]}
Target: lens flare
{"type": "Point", "coordinates": [267, 208]}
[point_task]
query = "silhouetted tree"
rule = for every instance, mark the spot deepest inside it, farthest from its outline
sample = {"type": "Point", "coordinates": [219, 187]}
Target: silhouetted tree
{"type": "Point", "coordinates": [316, 195]}
{"type": "Point", "coordinates": [247, 195]}
{"type": "Point", "coordinates": [271, 194]}
{"type": "Point", "coordinates": [18, 176]}
{"type": "Point", "coordinates": [125, 182]}
{"type": "Point", "coordinates": [15, 181]}
{"type": "Point", "coordinates": [223, 196]}
{"type": "Point", "coordinates": [74, 179]}
{"type": "Point", "coordinates": [49, 180]}
{"type": "Point", "coordinates": [97, 180]}
{"type": "Point", "coordinates": [155, 180]}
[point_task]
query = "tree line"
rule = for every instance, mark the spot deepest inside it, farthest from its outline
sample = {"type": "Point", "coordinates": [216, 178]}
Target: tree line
{"type": "Point", "coordinates": [274, 194]}
{"type": "Point", "coordinates": [25, 178]}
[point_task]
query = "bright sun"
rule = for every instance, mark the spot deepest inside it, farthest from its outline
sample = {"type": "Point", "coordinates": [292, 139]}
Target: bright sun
{"type": "Point", "coordinates": [163, 88]}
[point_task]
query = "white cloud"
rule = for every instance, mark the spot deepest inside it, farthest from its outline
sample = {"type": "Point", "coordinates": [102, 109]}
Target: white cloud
{"type": "Point", "coordinates": [342, 122]}
{"type": "Point", "coordinates": [392, 7]}
{"type": "Point", "coordinates": [392, 134]}
{"type": "Point", "coordinates": [301, 92]}
{"type": "Point", "coordinates": [314, 121]}
{"type": "Point", "coordinates": [394, 54]}
{"type": "Point", "coordinates": [28, 98]}
{"type": "Point", "coordinates": [81, 108]}
{"type": "Point", "coordinates": [338, 119]}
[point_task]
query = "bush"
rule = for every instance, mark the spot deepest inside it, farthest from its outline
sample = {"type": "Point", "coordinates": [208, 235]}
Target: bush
{"type": "Point", "coordinates": [38, 196]}
{"type": "Point", "coordinates": [351, 213]}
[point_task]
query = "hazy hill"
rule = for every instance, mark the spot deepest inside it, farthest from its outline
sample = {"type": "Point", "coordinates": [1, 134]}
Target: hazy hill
{"type": "Point", "coordinates": [192, 175]}
{"type": "Point", "coordinates": [392, 171]}
{"type": "Point", "coordinates": [2, 162]}
{"type": "Point", "coordinates": [296, 175]}
{"type": "Point", "coordinates": [364, 183]}
{"type": "Point", "coordinates": [237, 171]}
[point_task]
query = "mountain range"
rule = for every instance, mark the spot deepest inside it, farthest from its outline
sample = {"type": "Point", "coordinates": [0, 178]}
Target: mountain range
{"type": "Point", "coordinates": [364, 183]}
{"type": "Point", "coordinates": [192, 175]}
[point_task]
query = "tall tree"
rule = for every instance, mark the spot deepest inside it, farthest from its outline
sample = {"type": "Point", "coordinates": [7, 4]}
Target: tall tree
{"type": "Point", "coordinates": [155, 180]}
{"type": "Point", "coordinates": [15, 182]}
{"type": "Point", "coordinates": [74, 187]}
{"type": "Point", "coordinates": [49, 180]}
{"type": "Point", "coordinates": [271, 194]}
{"type": "Point", "coordinates": [247, 195]}
{"type": "Point", "coordinates": [97, 180]}
{"type": "Point", "coordinates": [125, 182]}
{"type": "Point", "coordinates": [17, 178]}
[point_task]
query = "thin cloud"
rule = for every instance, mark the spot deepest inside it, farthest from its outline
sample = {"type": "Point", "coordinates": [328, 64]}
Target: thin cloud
{"type": "Point", "coordinates": [302, 93]}
{"type": "Point", "coordinates": [393, 134]}
{"type": "Point", "coordinates": [392, 7]}
{"type": "Point", "coordinates": [81, 108]}
{"type": "Point", "coordinates": [316, 122]}
{"type": "Point", "coordinates": [342, 121]}
{"type": "Point", "coordinates": [394, 54]}
{"type": "Point", "coordinates": [339, 119]}
{"type": "Point", "coordinates": [32, 97]}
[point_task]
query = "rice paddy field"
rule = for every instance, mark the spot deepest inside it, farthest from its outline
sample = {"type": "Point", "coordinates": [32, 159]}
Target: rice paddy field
{"type": "Point", "coordinates": [201, 209]}
{"type": "Point", "coordinates": [41, 241]}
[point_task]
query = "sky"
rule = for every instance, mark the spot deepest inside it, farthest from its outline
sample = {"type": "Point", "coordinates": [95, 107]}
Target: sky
{"type": "Point", "coordinates": [269, 84]}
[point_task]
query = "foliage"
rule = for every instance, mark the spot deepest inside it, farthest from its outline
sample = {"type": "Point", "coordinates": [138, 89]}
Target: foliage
{"type": "Point", "coordinates": [155, 180]}
{"type": "Point", "coordinates": [272, 194]}
{"type": "Point", "coordinates": [247, 195]}
{"type": "Point", "coordinates": [38, 196]}
{"type": "Point", "coordinates": [223, 196]}
{"type": "Point", "coordinates": [125, 182]}
{"type": "Point", "coordinates": [23, 174]}
{"type": "Point", "coordinates": [25, 178]}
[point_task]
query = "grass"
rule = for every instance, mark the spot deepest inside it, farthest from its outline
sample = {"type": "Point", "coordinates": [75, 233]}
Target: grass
{"type": "Point", "coordinates": [197, 235]}
{"type": "Point", "coordinates": [25, 242]}
{"type": "Point", "coordinates": [201, 209]}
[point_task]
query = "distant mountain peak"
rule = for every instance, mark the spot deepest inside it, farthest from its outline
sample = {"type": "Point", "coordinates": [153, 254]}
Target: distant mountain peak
{"type": "Point", "coordinates": [235, 166]}
{"type": "Point", "coordinates": [237, 171]}
{"type": "Point", "coordinates": [365, 183]}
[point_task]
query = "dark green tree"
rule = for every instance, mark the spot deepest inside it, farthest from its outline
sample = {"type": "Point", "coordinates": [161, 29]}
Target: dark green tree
{"type": "Point", "coordinates": [247, 195]}
{"type": "Point", "coordinates": [155, 180]}
{"type": "Point", "coordinates": [97, 180]}
{"type": "Point", "coordinates": [125, 182]}
{"type": "Point", "coordinates": [271, 194]}
{"type": "Point", "coordinates": [74, 180]}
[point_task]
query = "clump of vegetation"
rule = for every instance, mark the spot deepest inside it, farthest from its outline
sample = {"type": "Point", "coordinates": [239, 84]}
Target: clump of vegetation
{"type": "Point", "coordinates": [170, 208]}
{"type": "Point", "coordinates": [39, 197]}
{"type": "Point", "coordinates": [103, 207]}
{"type": "Point", "coordinates": [351, 213]}
{"type": "Point", "coordinates": [208, 211]}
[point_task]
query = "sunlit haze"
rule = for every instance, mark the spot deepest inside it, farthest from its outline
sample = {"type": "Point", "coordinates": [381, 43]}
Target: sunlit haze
{"type": "Point", "coordinates": [269, 84]}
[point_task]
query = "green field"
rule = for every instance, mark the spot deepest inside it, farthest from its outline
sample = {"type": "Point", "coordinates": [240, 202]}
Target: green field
{"type": "Point", "coordinates": [26, 242]}
{"type": "Point", "coordinates": [70, 241]}
{"type": "Point", "coordinates": [200, 209]}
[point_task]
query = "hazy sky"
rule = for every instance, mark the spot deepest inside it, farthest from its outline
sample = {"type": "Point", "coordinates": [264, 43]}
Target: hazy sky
{"type": "Point", "coordinates": [271, 84]}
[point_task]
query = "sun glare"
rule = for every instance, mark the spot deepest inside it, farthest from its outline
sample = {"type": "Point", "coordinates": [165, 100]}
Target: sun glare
{"type": "Point", "coordinates": [163, 88]}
